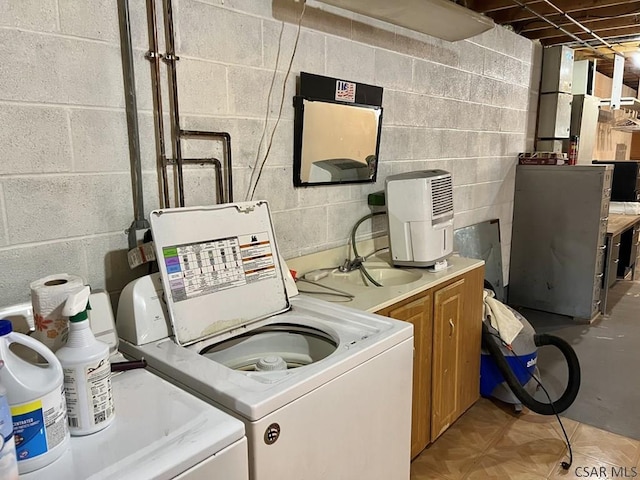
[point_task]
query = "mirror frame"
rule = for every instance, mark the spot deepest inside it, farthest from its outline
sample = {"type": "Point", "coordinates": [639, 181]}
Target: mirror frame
{"type": "Point", "coordinates": [317, 88]}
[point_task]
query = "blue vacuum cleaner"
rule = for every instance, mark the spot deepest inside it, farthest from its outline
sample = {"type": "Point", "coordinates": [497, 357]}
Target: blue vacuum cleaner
{"type": "Point", "coordinates": [510, 374]}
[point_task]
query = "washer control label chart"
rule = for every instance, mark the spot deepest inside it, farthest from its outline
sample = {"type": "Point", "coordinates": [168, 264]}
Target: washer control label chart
{"type": "Point", "coordinates": [197, 269]}
{"type": "Point", "coordinates": [257, 257]}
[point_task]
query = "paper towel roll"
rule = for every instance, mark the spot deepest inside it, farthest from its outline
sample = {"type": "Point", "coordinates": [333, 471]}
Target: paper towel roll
{"type": "Point", "coordinates": [48, 296]}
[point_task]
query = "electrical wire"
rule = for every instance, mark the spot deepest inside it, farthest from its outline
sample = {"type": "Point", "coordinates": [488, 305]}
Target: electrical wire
{"type": "Point", "coordinates": [284, 88]}
{"type": "Point", "coordinates": [266, 116]}
{"type": "Point", "coordinates": [565, 465]}
{"type": "Point", "coordinates": [340, 293]}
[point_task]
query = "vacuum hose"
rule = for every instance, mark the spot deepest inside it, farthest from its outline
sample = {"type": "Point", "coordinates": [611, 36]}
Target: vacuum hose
{"type": "Point", "coordinates": [573, 385]}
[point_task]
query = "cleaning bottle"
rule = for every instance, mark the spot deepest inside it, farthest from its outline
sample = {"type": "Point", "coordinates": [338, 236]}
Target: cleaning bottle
{"type": "Point", "coordinates": [35, 394]}
{"type": "Point", "coordinates": [87, 371]}
{"type": "Point", "coordinates": [8, 460]}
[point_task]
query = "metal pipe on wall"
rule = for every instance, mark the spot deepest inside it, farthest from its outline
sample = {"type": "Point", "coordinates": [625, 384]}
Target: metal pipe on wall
{"type": "Point", "coordinates": [226, 192]}
{"type": "Point", "coordinates": [170, 58]}
{"type": "Point", "coordinates": [154, 57]}
{"type": "Point", "coordinates": [131, 107]}
{"type": "Point", "coordinates": [226, 137]}
{"type": "Point", "coordinates": [218, 169]}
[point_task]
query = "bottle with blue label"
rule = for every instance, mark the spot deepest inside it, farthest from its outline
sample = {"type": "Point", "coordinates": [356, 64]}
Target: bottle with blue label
{"type": "Point", "coordinates": [35, 394]}
{"type": "Point", "coordinates": [8, 460]}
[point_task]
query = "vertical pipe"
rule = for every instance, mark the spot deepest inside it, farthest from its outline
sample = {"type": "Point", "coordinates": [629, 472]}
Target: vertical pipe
{"type": "Point", "coordinates": [132, 109]}
{"type": "Point", "coordinates": [154, 57]}
{"type": "Point", "coordinates": [171, 59]}
{"type": "Point", "coordinates": [227, 139]}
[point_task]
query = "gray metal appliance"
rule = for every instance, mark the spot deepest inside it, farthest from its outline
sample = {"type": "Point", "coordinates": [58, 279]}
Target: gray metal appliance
{"type": "Point", "coordinates": [559, 238]}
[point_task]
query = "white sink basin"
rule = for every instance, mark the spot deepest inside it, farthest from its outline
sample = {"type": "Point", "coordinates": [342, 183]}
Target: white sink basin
{"type": "Point", "coordinates": [385, 275]}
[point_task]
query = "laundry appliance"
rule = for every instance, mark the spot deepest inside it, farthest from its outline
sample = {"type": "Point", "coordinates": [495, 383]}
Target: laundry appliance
{"type": "Point", "coordinates": [324, 391]}
{"type": "Point", "coordinates": [160, 432]}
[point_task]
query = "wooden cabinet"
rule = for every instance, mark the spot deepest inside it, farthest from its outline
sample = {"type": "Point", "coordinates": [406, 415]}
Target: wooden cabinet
{"type": "Point", "coordinates": [446, 365]}
{"type": "Point", "coordinates": [418, 311]}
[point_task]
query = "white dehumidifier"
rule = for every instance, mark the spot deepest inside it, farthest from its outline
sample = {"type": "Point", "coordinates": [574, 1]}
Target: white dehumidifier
{"type": "Point", "coordinates": [420, 213]}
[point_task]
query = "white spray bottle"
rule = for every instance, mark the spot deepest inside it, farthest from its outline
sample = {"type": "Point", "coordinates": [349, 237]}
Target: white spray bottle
{"type": "Point", "coordinates": [87, 371]}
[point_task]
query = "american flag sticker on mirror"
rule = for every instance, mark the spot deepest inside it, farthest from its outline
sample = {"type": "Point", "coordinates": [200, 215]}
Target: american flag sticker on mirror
{"type": "Point", "coordinates": [345, 91]}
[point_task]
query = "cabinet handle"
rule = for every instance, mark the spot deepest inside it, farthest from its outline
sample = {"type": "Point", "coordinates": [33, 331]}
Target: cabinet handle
{"type": "Point", "coordinates": [617, 244]}
{"type": "Point", "coordinates": [600, 275]}
{"type": "Point", "coordinates": [617, 260]}
{"type": "Point", "coordinates": [453, 327]}
{"type": "Point", "coordinates": [602, 247]}
{"type": "Point", "coordinates": [604, 219]}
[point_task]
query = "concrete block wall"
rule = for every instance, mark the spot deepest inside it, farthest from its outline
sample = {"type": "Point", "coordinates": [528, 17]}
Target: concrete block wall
{"type": "Point", "coordinates": [65, 187]}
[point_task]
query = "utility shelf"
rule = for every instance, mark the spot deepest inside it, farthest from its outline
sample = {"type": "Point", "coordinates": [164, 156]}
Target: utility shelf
{"type": "Point", "coordinates": [629, 103]}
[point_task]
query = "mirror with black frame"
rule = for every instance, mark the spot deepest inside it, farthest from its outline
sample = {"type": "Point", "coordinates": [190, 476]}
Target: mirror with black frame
{"type": "Point", "coordinates": [337, 131]}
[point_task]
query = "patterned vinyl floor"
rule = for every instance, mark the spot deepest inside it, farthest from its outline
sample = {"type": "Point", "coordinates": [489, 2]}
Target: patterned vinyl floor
{"type": "Point", "coordinates": [490, 441]}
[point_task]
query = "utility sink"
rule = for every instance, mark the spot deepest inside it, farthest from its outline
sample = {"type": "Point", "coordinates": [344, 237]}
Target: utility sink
{"type": "Point", "coordinates": [386, 275]}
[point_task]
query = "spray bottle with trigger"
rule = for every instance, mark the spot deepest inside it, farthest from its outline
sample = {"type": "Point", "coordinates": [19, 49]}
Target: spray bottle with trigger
{"type": "Point", "coordinates": [87, 372]}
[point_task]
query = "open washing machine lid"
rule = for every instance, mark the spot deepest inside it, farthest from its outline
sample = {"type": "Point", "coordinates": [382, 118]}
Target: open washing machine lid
{"type": "Point", "coordinates": [220, 268]}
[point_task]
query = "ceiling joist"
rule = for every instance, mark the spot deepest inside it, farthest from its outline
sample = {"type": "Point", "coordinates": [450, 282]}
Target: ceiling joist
{"type": "Point", "coordinates": [604, 28]}
{"type": "Point", "coordinates": [593, 19]}
{"type": "Point", "coordinates": [605, 22]}
{"type": "Point", "coordinates": [608, 34]}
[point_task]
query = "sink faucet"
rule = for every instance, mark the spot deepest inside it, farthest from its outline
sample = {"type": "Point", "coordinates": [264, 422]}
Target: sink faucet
{"type": "Point", "coordinates": [350, 265]}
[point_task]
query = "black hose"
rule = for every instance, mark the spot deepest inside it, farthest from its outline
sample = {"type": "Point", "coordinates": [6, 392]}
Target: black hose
{"type": "Point", "coordinates": [355, 248]}
{"type": "Point", "coordinates": [573, 384]}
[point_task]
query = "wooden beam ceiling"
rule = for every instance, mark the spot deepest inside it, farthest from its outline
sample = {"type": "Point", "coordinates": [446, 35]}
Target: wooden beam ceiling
{"type": "Point", "coordinates": [509, 12]}
{"type": "Point", "coordinates": [608, 34]}
{"type": "Point", "coordinates": [593, 18]}
{"type": "Point", "coordinates": [612, 20]}
{"type": "Point", "coordinates": [605, 30]}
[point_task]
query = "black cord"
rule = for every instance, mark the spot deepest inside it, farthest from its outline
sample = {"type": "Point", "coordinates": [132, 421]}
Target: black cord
{"type": "Point", "coordinates": [564, 465]}
{"type": "Point", "coordinates": [355, 248]}
{"type": "Point", "coordinates": [284, 88]}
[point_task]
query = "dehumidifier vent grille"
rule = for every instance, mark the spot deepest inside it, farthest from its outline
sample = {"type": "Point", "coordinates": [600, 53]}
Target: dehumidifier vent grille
{"type": "Point", "coordinates": [442, 196]}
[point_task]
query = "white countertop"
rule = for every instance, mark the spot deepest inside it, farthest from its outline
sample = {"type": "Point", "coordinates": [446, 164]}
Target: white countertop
{"type": "Point", "coordinates": [159, 432]}
{"type": "Point", "coordinates": [373, 299]}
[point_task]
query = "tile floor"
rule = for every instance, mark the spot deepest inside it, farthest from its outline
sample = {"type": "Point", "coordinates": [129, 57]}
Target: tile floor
{"type": "Point", "coordinates": [490, 441]}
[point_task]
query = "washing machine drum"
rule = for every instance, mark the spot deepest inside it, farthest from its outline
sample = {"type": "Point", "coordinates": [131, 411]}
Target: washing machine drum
{"type": "Point", "coordinates": [274, 347]}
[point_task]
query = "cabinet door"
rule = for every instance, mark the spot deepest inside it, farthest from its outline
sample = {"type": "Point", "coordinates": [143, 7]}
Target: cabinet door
{"type": "Point", "coordinates": [418, 313]}
{"type": "Point", "coordinates": [468, 375]}
{"type": "Point", "coordinates": [448, 311]}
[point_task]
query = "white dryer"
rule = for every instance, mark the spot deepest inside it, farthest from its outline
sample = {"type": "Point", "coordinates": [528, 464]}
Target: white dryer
{"type": "Point", "coordinates": [324, 391]}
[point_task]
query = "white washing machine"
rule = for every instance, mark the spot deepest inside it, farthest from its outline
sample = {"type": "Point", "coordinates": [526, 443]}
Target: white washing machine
{"type": "Point", "coordinates": [160, 432]}
{"type": "Point", "coordinates": [324, 391]}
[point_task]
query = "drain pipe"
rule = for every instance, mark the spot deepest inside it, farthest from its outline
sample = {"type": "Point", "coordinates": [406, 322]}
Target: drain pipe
{"type": "Point", "coordinates": [139, 222]}
{"type": "Point", "coordinates": [154, 57]}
